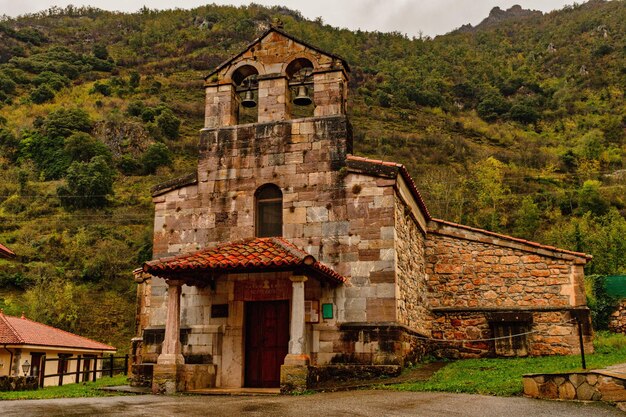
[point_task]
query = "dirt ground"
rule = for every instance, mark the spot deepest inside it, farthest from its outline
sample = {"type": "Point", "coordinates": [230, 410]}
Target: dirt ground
{"type": "Point", "coordinates": [345, 403]}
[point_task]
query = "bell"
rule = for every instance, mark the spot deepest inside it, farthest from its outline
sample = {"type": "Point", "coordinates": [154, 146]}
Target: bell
{"type": "Point", "coordinates": [302, 99]}
{"type": "Point", "coordinates": [248, 99]}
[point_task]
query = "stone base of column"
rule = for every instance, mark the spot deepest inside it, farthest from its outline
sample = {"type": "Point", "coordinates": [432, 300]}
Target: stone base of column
{"type": "Point", "coordinates": [293, 378]}
{"type": "Point", "coordinates": [297, 360]}
{"type": "Point", "coordinates": [170, 359]}
{"type": "Point", "coordinates": [166, 379]}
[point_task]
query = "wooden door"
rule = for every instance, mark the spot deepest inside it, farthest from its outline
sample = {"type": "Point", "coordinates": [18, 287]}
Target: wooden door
{"type": "Point", "coordinates": [35, 363]}
{"type": "Point", "coordinates": [267, 340]}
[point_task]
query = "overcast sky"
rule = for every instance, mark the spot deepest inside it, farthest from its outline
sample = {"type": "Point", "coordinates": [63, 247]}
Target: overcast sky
{"type": "Point", "coordinates": [431, 17]}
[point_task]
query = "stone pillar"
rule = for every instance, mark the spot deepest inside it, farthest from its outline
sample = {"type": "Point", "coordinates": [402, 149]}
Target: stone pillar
{"type": "Point", "coordinates": [294, 373]}
{"type": "Point", "coordinates": [168, 373]}
{"type": "Point", "coordinates": [222, 106]}
{"type": "Point", "coordinates": [330, 91]}
{"type": "Point", "coordinates": [273, 95]}
{"type": "Point", "coordinates": [170, 352]}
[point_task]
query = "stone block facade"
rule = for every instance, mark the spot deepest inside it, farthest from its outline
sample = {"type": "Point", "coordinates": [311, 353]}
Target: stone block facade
{"type": "Point", "coordinates": [404, 285]}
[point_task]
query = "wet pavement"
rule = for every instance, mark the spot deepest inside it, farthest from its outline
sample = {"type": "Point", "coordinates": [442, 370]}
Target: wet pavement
{"type": "Point", "coordinates": [346, 403]}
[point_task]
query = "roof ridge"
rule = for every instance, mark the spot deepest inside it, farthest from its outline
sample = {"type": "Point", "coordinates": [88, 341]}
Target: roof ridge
{"type": "Point", "coordinates": [513, 238]}
{"type": "Point", "coordinates": [290, 248]}
{"type": "Point", "coordinates": [63, 331]}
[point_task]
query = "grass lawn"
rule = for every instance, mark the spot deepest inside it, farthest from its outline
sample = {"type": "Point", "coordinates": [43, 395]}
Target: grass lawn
{"type": "Point", "coordinates": [84, 389]}
{"type": "Point", "coordinates": [503, 376]}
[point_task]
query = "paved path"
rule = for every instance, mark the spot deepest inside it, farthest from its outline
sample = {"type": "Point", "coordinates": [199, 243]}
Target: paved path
{"type": "Point", "coordinates": [352, 403]}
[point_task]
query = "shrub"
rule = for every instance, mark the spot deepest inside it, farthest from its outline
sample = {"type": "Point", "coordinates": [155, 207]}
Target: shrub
{"type": "Point", "coordinates": [99, 88]}
{"type": "Point", "coordinates": [52, 79]}
{"type": "Point", "coordinates": [601, 303]}
{"type": "Point", "coordinates": [7, 85]}
{"type": "Point", "coordinates": [129, 165]}
{"type": "Point", "coordinates": [42, 94]}
{"type": "Point", "coordinates": [134, 79]}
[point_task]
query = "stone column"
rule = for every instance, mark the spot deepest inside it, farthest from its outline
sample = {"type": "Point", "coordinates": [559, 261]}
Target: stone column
{"type": "Point", "coordinates": [273, 95]}
{"type": "Point", "coordinates": [171, 351]}
{"type": "Point", "coordinates": [294, 373]}
{"type": "Point", "coordinates": [296, 331]}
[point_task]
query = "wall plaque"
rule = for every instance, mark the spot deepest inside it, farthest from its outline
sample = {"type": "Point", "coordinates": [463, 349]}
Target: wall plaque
{"type": "Point", "coordinates": [263, 289]}
{"type": "Point", "coordinates": [219, 311]}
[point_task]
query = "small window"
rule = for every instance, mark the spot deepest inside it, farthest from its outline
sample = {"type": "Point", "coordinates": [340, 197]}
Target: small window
{"type": "Point", "coordinates": [510, 330]}
{"type": "Point", "coordinates": [269, 211]}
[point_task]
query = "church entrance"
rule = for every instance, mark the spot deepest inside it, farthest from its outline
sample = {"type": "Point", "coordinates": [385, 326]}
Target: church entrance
{"type": "Point", "coordinates": [267, 341]}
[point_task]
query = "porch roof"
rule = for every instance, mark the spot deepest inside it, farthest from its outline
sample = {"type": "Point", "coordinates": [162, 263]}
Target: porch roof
{"type": "Point", "coordinates": [250, 255]}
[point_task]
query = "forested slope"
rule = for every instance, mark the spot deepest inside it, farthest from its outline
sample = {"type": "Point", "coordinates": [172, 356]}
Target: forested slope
{"type": "Point", "coordinates": [517, 126]}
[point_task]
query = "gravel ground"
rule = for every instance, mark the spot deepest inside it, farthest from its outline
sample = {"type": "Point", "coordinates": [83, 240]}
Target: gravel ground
{"type": "Point", "coordinates": [347, 403]}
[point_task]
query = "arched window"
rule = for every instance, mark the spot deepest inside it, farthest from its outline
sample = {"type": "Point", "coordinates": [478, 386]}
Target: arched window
{"type": "Point", "coordinates": [269, 211]}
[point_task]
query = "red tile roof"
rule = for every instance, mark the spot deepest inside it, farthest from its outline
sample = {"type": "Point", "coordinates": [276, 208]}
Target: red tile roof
{"type": "Point", "coordinates": [405, 174]}
{"type": "Point", "coordinates": [22, 331]}
{"type": "Point", "coordinates": [6, 252]}
{"type": "Point", "coordinates": [250, 254]}
{"type": "Point", "coordinates": [514, 239]}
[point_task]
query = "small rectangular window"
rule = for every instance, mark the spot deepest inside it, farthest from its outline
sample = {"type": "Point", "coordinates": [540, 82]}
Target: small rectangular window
{"type": "Point", "coordinates": [270, 221]}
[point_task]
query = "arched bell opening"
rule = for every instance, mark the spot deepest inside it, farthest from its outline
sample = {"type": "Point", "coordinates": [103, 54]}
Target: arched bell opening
{"type": "Point", "coordinates": [300, 75]}
{"type": "Point", "coordinates": [246, 83]}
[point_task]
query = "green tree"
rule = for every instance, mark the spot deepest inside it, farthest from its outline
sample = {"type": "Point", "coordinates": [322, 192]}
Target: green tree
{"type": "Point", "coordinates": [491, 192]}
{"type": "Point", "coordinates": [155, 156]}
{"type": "Point", "coordinates": [527, 218]}
{"type": "Point", "coordinates": [82, 147]}
{"type": "Point", "coordinates": [492, 106]}
{"type": "Point", "coordinates": [88, 184]}
{"type": "Point", "coordinates": [64, 122]}
{"type": "Point", "coordinates": [168, 123]}
{"type": "Point", "coordinates": [590, 200]}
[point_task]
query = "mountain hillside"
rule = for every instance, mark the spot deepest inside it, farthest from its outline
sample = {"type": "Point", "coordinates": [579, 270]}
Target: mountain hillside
{"type": "Point", "coordinates": [517, 126]}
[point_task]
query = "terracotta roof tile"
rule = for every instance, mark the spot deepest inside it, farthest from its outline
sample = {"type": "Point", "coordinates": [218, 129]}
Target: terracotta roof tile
{"type": "Point", "coordinates": [22, 331]}
{"type": "Point", "coordinates": [258, 253]}
{"type": "Point", "coordinates": [6, 252]}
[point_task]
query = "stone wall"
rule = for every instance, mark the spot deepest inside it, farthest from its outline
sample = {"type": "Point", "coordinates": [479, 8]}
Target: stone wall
{"type": "Point", "coordinates": [474, 275]}
{"type": "Point", "coordinates": [412, 293]}
{"type": "Point", "coordinates": [550, 333]}
{"type": "Point", "coordinates": [586, 386]}
{"type": "Point", "coordinates": [478, 273]}
{"type": "Point", "coordinates": [617, 322]}
{"type": "Point", "coordinates": [18, 383]}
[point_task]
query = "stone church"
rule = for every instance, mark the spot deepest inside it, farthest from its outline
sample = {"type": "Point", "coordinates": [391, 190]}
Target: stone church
{"type": "Point", "coordinates": [286, 257]}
